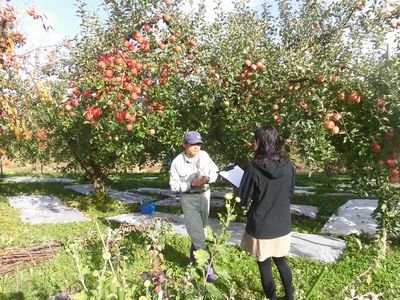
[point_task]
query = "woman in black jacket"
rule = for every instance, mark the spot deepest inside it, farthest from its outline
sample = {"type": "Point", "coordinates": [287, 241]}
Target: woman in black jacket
{"type": "Point", "coordinates": [268, 183]}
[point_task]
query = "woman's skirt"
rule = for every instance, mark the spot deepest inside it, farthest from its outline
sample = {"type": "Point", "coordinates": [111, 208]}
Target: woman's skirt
{"type": "Point", "coordinates": [261, 249]}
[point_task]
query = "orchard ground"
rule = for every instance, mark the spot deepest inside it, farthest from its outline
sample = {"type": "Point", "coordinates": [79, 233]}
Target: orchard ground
{"type": "Point", "coordinates": [353, 274]}
{"type": "Point", "coordinates": [11, 167]}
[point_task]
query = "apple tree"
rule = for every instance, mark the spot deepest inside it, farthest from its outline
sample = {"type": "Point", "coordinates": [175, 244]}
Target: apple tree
{"type": "Point", "coordinates": [123, 77]}
{"type": "Point", "coordinates": [320, 72]}
{"type": "Point", "coordinates": [18, 92]}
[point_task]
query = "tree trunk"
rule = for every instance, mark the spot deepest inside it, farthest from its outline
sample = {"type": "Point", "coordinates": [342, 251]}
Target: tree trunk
{"type": "Point", "coordinates": [1, 166]}
{"type": "Point", "coordinates": [41, 168]}
{"type": "Point", "coordinates": [99, 182]}
{"type": "Point", "coordinates": [383, 236]}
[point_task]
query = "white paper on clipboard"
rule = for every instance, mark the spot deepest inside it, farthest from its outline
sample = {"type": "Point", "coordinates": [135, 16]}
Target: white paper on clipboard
{"type": "Point", "coordinates": [233, 175]}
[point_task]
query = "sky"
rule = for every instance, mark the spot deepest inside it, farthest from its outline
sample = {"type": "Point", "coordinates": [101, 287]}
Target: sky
{"type": "Point", "coordinates": [61, 16]}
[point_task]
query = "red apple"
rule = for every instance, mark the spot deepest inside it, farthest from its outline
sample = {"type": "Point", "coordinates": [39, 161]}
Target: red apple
{"type": "Point", "coordinates": [394, 178]}
{"type": "Point", "coordinates": [172, 39]}
{"type": "Point", "coordinates": [247, 62]}
{"type": "Point", "coordinates": [108, 74]}
{"type": "Point", "coordinates": [128, 86]}
{"type": "Point", "coordinates": [192, 43]}
{"type": "Point", "coordinates": [137, 36]}
{"type": "Point", "coordinates": [275, 106]}
{"type": "Point", "coordinates": [336, 117]}
{"type": "Point", "coordinates": [88, 115]}
{"type": "Point", "coordinates": [391, 163]}
{"type": "Point", "coordinates": [277, 118]}
{"type": "Point", "coordinates": [320, 78]}
{"type": "Point", "coordinates": [86, 94]}
{"type": "Point", "coordinates": [74, 102]}
{"type": "Point", "coordinates": [97, 112]}
{"type": "Point", "coordinates": [389, 135]}
{"type": "Point", "coordinates": [316, 25]}
{"type": "Point", "coordinates": [137, 89]}
{"type": "Point", "coordinates": [166, 18]}
{"type": "Point", "coordinates": [133, 96]}
{"type": "Point", "coordinates": [303, 105]}
{"type": "Point", "coordinates": [335, 130]}
{"type": "Point", "coordinates": [178, 49]}
{"type": "Point", "coordinates": [340, 96]}
{"type": "Point", "coordinates": [395, 172]}
{"type": "Point", "coordinates": [376, 148]}
{"type": "Point", "coordinates": [359, 5]}
{"type": "Point", "coordinates": [127, 44]}
{"type": "Point", "coordinates": [147, 27]}
{"type": "Point", "coordinates": [379, 102]}
{"type": "Point", "coordinates": [259, 65]}
{"type": "Point", "coordinates": [129, 127]}
{"type": "Point", "coordinates": [148, 81]}
{"type": "Point", "coordinates": [329, 124]}
{"type": "Point", "coordinates": [353, 98]}
{"type": "Point", "coordinates": [101, 65]}
{"type": "Point", "coordinates": [139, 66]}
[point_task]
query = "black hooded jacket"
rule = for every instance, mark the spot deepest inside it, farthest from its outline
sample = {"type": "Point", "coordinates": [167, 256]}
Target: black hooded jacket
{"type": "Point", "coordinates": [270, 185]}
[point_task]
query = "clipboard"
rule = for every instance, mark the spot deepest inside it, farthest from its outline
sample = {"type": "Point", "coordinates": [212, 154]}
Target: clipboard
{"type": "Point", "coordinates": [233, 174]}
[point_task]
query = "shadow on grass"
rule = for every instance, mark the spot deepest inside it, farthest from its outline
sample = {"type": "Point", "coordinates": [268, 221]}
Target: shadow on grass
{"type": "Point", "coordinates": [34, 188]}
{"type": "Point", "coordinates": [12, 296]}
{"type": "Point", "coordinates": [98, 202]}
{"type": "Point", "coordinates": [176, 257]}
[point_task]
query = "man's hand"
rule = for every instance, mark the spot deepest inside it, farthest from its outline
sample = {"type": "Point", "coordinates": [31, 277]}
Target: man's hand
{"type": "Point", "coordinates": [199, 182]}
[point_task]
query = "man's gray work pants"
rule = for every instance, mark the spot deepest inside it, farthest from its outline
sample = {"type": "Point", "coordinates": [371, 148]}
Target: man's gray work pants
{"type": "Point", "coordinates": [195, 210]}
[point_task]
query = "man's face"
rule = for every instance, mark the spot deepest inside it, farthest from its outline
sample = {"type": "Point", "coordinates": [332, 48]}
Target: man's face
{"type": "Point", "coordinates": [191, 150]}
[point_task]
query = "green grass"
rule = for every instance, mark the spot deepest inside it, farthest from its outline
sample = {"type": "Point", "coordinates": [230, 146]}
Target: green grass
{"type": "Point", "coordinates": [60, 273]}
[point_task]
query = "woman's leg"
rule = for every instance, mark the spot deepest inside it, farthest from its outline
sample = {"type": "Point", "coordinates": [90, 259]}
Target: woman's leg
{"type": "Point", "coordinates": [267, 280]}
{"type": "Point", "coordinates": [286, 276]}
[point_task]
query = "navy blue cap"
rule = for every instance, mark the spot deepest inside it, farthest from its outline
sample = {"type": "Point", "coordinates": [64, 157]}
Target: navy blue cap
{"type": "Point", "coordinates": [192, 137]}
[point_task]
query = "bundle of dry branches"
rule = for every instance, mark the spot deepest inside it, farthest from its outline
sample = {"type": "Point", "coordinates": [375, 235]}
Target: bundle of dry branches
{"type": "Point", "coordinates": [19, 258]}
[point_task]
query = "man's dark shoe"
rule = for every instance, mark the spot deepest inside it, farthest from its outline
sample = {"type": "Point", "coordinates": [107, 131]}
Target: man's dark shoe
{"type": "Point", "coordinates": [210, 271]}
{"type": "Point", "coordinates": [192, 259]}
{"type": "Point", "coordinates": [211, 274]}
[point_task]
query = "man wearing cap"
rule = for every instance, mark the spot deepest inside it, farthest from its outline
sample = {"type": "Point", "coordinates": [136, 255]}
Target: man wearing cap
{"type": "Point", "coordinates": [191, 172]}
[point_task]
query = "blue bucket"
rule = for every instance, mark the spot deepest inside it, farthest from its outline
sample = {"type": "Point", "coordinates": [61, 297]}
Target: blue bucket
{"type": "Point", "coordinates": [148, 208]}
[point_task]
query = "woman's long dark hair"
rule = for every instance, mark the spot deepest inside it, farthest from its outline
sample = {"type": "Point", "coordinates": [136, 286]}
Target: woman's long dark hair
{"type": "Point", "coordinates": [269, 145]}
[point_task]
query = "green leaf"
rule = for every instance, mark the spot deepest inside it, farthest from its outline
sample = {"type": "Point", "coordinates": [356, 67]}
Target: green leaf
{"type": "Point", "coordinates": [223, 273]}
{"type": "Point", "coordinates": [80, 296]}
{"type": "Point", "coordinates": [202, 257]}
{"type": "Point", "coordinates": [212, 289]}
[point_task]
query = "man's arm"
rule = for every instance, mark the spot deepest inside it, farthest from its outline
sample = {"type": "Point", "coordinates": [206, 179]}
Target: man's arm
{"type": "Point", "coordinates": [212, 169]}
{"type": "Point", "coordinates": [175, 182]}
